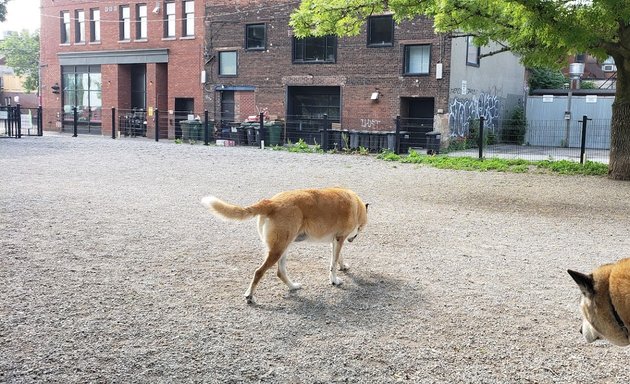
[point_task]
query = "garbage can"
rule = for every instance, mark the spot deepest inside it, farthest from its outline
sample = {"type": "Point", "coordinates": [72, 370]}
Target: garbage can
{"type": "Point", "coordinates": [433, 142]}
{"type": "Point", "coordinates": [251, 134]}
{"type": "Point", "coordinates": [191, 130]}
{"type": "Point", "coordinates": [274, 133]}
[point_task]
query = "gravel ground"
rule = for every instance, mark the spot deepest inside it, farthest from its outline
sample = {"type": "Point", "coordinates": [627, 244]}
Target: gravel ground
{"type": "Point", "coordinates": [113, 272]}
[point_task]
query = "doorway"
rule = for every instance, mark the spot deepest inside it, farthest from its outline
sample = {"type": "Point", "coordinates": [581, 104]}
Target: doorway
{"type": "Point", "coordinates": [184, 106]}
{"type": "Point", "coordinates": [417, 119]}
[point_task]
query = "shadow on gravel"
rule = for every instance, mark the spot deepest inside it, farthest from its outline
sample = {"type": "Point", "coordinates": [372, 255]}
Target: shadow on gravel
{"type": "Point", "coordinates": [372, 295]}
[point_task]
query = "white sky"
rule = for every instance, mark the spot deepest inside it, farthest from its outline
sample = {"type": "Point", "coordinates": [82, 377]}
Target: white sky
{"type": "Point", "coordinates": [22, 14]}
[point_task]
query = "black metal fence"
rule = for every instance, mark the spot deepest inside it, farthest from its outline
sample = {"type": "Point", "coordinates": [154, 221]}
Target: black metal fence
{"type": "Point", "coordinates": [577, 140]}
{"type": "Point", "coordinates": [16, 121]}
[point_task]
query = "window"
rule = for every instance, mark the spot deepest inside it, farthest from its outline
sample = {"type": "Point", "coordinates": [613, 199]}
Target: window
{"type": "Point", "coordinates": [189, 18]}
{"type": "Point", "coordinates": [65, 27]}
{"type": "Point", "coordinates": [169, 19]}
{"type": "Point", "coordinates": [227, 63]}
{"type": "Point", "coordinates": [380, 31]}
{"type": "Point", "coordinates": [95, 25]}
{"type": "Point", "coordinates": [141, 21]}
{"type": "Point", "coordinates": [315, 49]}
{"type": "Point", "coordinates": [255, 36]}
{"type": "Point", "coordinates": [417, 59]}
{"type": "Point", "coordinates": [125, 22]}
{"type": "Point", "coordinates": [79, 26]}
{"type": "Point", "coordinates": [472, 52]}
{"type": "Point", "coordinates": [81, 86]}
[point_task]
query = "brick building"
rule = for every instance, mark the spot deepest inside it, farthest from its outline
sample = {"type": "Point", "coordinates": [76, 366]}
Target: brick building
{"type": "Point", "coordinates": [255, 64]}
{"type": "Point", "coordinates": [131, 55]}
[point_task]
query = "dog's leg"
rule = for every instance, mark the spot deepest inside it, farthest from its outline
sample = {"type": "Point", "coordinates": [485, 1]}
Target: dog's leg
{"type": "Point", "coordinates": [282, 274]}
{"type": "Point", "coordinates": [272, 258]}
{"type": "Point", "coordinates": [342, 266]}
{"type": "Point", "coordinates": [336, 245]}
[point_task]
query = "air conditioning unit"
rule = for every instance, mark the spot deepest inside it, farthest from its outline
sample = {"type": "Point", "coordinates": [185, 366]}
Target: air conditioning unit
{"type": "Point", "coordinates": [609, 67]}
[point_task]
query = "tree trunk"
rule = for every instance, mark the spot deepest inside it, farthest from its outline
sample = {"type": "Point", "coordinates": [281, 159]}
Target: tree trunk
{"type": "Point", "coordinates": [619, 162]}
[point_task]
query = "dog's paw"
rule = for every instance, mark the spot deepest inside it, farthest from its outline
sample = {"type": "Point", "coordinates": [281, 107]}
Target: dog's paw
{"type": "Point", "coordinates": [295, 287]}
{"type": "Point", "coordinates": [336, 281]}
{"type": "Point", "coordinates": [344, 267]}
{"type": "Point", "coordinates": [250, 299]}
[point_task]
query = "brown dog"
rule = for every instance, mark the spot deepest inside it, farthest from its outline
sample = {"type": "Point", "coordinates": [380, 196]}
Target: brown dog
{"type": "Point", "coordinates": [605, 302]}
{"type": "Point", "coordinates": [329, 215]}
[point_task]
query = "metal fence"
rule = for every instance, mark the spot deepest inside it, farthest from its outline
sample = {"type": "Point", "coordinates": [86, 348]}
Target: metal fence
{"type": "Point", "coordinates": [577, 140]}
{"type": "Point", "coordinates": [16, 121]}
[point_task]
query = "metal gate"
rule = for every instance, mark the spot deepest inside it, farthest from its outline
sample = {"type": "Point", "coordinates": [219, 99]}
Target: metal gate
{"type": "Point", "coordinates": [17, 122]}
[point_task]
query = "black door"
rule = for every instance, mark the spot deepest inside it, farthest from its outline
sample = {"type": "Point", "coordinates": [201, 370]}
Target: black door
{"type": "Point", "coordinates": [416, 119]}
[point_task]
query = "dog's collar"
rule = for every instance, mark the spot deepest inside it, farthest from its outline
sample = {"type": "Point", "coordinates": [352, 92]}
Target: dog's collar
{"type": "Point", "coordinates": [620, 322]}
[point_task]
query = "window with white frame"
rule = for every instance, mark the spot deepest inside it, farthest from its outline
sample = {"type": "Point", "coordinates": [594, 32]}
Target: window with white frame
{"type": "Point", "coordinates": [124, 19]}
{"type": "Point", "coordinates": [227, 63]}
{"type": "Point", "coordinates": [169, 19]}
{"type": "Point", "coordinates": [189, 18]}
{"type": "Point", "coordinates": [472, 52]}
{"type": "Point", "coordinates": [79, 26]}
{"type": "Point", "coordinates": [141, 21]}
{"type": "Point", "coordinates": [65, 27]}
{"type": "Point", "coordinates": [95, 25]}
{"type": "Point", "coordinates": [417, 59]}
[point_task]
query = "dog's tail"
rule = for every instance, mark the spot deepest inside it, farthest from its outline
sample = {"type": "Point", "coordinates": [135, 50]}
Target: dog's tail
{"type": "Point", "coordinates": [236, 212]}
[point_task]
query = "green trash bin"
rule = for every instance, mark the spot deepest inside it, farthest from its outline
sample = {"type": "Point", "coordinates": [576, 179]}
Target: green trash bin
{"type": "Point", "coordinates": [191, 129]}
{"type": "Point", "coordinates": [274, 133]}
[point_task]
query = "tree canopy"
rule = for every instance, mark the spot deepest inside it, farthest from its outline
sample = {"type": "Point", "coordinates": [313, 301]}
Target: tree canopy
{"type": "Point", "coordinates": [3, 9]}
{"type": "Point", "coordinates": [21, 52]}
{"type": "Point", "coordinates": [544, 33]}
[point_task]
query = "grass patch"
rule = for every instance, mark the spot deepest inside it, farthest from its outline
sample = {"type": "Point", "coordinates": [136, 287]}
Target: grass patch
{"type": "Point", "coordinates": [564, 167]}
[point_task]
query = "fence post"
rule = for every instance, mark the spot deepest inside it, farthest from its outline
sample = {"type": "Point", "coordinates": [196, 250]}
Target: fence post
{"type": "Point", "coordinates": [480, 139]}
{"type": "Point", "coordinates": [397, 144]}
{"type": "Point", "coordinates": [157, 125]}
{"type": "Point", "coordinates": [583, 144]}
{"type": "Point", "coordinates": [261, 130]}
{"type": "Point", "coordinates": [206, 131]}
{"type": "Point", "coordinates": [113, 122]}
{"type": "Point", "coordinates": [75, 121]}
{"type": "Point", "coordinates": [40, 124]}
{"type": "Point", "coordinates": [18, 119]}
{"type": "Point", "coordinates": [325, 133]}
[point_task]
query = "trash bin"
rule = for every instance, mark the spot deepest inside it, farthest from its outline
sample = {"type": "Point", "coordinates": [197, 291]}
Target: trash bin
{"type": "Point", "coordinates": [251, 134]}
{"type": "Point", "coordinates": [391, 141]}
{"type": "Point", "coordinates": [274, 132]}
{"type": "Point", "coordinates": [433, 142]}
{"type": "Point", "coordinates": [191, 130]}
{"type": "Point", "coordinates": [404, 141]}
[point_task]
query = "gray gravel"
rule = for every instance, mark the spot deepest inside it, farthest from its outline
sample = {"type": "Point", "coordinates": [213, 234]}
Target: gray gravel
{"type": "Point", "coordinates": [113, 272]}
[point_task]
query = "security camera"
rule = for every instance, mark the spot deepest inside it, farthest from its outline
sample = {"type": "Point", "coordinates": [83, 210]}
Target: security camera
{"type": "Point", "coordinates": [156, 10]}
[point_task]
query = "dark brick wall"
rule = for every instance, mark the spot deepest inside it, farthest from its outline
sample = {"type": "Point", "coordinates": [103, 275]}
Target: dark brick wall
{"type": "Point", "coordinates": [359, 70]}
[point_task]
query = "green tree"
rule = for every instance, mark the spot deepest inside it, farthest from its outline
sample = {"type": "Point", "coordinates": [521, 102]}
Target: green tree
{"type": "Point", "coordinates": [21, 52]}
{"type": "Point", "coordinates": [545, 78]}
{"type": "Point", "coordinates": [543, 32]}
{"type": "Point", "coordinates": [3, 9]}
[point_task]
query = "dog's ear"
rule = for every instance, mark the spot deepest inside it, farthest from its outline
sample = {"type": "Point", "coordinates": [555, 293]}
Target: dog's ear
{"type": "Point", "coordinates": [585, 282]}
{"type": "Point", "coordinates": [366, 206]}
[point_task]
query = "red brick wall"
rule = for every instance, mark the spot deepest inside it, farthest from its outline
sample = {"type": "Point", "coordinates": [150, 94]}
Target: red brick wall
{"type": "Point", "coordinates": [179, 78]}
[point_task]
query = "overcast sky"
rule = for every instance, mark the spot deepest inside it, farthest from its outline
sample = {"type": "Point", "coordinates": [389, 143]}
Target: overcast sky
{"type": "Point", "coordinates": [22, 14]}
